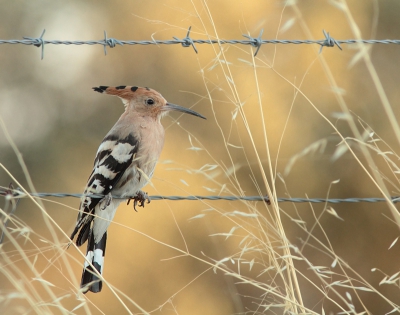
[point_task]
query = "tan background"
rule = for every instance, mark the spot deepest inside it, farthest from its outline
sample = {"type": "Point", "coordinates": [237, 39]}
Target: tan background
{"type": "Point", "coordinates": [57, 123]}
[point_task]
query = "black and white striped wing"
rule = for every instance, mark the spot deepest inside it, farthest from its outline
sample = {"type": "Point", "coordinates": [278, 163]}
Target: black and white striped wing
{"type": "Point", "coordinates": [113, 158]}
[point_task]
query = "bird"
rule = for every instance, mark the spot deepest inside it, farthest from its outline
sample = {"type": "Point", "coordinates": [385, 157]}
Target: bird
{"type": "Point", "coordinates": [123, 165]}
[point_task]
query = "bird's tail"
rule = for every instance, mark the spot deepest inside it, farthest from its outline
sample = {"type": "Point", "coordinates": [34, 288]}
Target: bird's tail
{"type": "Point", "coordinates": [95, 254]}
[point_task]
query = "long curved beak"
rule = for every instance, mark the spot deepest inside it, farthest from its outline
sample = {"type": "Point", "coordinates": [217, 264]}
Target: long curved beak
{"type": "Point", "coordinates": [185, 110]}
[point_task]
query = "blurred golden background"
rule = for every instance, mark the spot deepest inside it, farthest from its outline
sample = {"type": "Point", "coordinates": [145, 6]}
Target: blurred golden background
{"type": "Point", "coordinates": [57, 123]}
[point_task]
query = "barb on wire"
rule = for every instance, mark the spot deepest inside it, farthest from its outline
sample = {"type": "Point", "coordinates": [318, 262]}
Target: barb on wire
{"type": "Point", "coordinates": [9, 196]}
{"type": "Point", "coordinates": [187, 41]}
{"type": "Point", "coordinates": [18, 194]}
{"type": "Point", "coordinates": [111, 42]}
{"type": "Point", "coordinates": [38, 42]}
{"type": "Point", "coordinates": [329, 42]}
{"type": "Point", "coordinates": [256, 42]}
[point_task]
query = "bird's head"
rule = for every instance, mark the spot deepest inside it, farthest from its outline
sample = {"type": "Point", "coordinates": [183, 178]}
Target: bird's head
{"type": "Point", "coordinates": [144, 101]}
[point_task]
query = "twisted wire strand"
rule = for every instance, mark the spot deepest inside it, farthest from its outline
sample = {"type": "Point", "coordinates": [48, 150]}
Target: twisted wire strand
{"type": "Point", "coordinates": [256, 42]}
{"type": "Point", "coordinates": [394, 199]}
{"type": "Point", "coordinates": [34, 41]}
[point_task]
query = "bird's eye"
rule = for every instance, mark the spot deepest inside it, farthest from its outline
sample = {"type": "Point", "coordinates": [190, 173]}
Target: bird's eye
{"type": "Point", "coordinates": [149, 101]}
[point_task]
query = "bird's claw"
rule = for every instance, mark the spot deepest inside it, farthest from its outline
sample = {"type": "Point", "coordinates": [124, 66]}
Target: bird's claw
{"type": "Point", "coordinates": [139, 198]}
{"type": "Point", "coordinates": [267, 200]}
{"type": "Point", "coordinates": [105, 202]}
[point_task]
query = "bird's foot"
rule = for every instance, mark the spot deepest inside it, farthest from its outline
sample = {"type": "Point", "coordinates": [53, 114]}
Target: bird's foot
{"type": "Point", "coordinates": [105, 202]}
{"type": "Point", "coordinates": [267, 200]}
{"type": "Point", "coordinates": [140, 198]}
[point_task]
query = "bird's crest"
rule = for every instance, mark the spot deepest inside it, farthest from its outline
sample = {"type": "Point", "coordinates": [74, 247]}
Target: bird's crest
{"type": "Point", "coordinates": [126, 93]}
{"type": "Point", "coordinates": [144, 100]}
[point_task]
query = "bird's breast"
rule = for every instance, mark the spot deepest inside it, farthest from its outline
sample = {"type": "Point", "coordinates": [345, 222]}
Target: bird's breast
{"type": "Point", "coordinates": [144, 162]}
{"type": "Point", "coordinates": [150, 147]}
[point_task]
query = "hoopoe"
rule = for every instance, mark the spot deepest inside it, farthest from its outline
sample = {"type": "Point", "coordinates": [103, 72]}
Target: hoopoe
{"type": "Point", "coordinates": [124, 163]}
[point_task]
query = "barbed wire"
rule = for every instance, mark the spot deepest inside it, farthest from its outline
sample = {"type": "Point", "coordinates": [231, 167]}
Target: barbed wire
{"type": "Point", "coordinates": [187, 41]}
{"type": "Point", "coordinates": [19, 194]}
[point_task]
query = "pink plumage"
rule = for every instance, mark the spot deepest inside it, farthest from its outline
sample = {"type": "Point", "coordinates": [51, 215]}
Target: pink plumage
{"type": "Point", "coordinates": [124, 163]}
